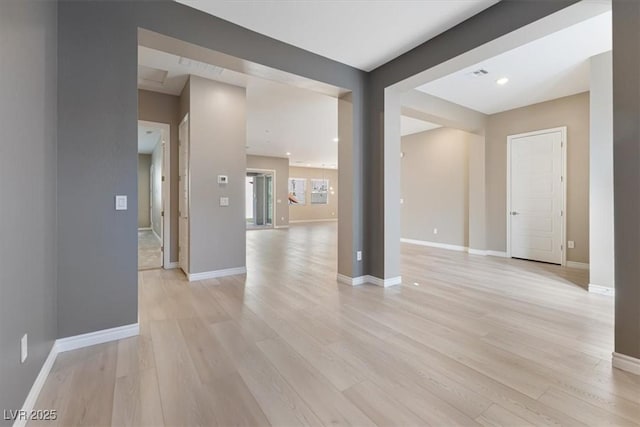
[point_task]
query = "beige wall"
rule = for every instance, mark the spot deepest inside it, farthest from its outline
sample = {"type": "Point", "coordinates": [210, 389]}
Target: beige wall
{"type": "Point", "coordinates": [281, 166]}
{"type": "Point", "coordinates": [217, 140]}
{"type": "Point", "coordinates": [571, 111]}
{"type": "Point", "coordinates": [161, 108]}
{"type": "Point", "coordinates": [435, 186]}
{"type": "Point", "coordinates": [144, 163]}
{"type": "Point", "coordinates": [309, 212]}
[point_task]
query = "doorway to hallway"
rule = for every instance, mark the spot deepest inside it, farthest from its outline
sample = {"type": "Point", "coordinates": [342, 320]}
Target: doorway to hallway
{"type": "Point", "coordinates": [259, 198]}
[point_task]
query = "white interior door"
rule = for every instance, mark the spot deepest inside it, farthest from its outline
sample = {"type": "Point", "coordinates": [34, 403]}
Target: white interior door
{"type": "Point", "coordinates": [536, 196]}
{"type": "Point", "coordinates": [183, 205]}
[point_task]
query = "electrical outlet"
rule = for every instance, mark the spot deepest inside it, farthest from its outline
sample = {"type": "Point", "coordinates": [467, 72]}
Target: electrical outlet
{"type": "Point", "coordinates": [24, 348]}
{"type": "Point", "coordinates": [571, 244]}
{"type": "Point", "coordinates": [402, 201]}
{"type": "Point", "coordinates": [359, 256]}
{"type": "Point", "coordinates": [435, 231]}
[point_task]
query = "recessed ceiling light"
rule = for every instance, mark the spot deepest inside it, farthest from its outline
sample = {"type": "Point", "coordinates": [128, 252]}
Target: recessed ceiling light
{"type": "Point", "coordinates": [502, 81]}
{"type": "Point", "coordinates": [336, 139]}
{"type": "Point", "coordinates": [287, 153]}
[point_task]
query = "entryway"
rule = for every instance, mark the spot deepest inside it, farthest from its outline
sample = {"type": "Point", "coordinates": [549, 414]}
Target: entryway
{"type": "Point", "coordinates": [259, 198]}
{"type": "Point", "coordinates": [536, 191]}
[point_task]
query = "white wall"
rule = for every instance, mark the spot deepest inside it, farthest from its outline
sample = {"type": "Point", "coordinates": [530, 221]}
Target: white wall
{"type": "Point", "coordinates": [156, 189]}
{"type": "Point", "coordinates": [601, 247]}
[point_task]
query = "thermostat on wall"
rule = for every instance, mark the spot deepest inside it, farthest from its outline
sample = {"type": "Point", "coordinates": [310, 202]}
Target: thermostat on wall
{"type": "Point", "coordinates": [223, 179]}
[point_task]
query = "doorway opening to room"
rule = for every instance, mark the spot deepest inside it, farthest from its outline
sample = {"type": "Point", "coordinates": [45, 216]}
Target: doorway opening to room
{"type": "Point", "coordinates": [245, 136]}
{"type": "Point", "coordinates": [153, 226]}
{"type": "Point", "coordinates": [259, 191]}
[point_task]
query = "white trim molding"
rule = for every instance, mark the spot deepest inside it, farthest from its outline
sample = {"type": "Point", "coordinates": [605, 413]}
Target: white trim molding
{"type": "Point", "coordinates": [171, 265]}
{"type": "Point", "coordinates": [217, 273]}
{"type": "Point", "coordinates": [578, 265]}
{"type": "Point", "coordinates": [144, 228]}
{"type": "Point", "coordinates": [67, 344]}
{"type": "Point", "coordinates": [602, 290]}
{"type": "Point", "coordinates": [626, 363]}
{"type": "Point", "coordinates": [457, 248]}
{"type": "Point", "coordinates": [435, 245]}
{"type": "Point", "coordinates": [36, 388]}
{"type": "Point", "coordinates": [97, 337]}
{"type": "Point", "coordinates": [302, 221]}
{"type": "Point", "coordinates": [281, 226]}
{"type": "Point", "coordinates": [361, 280]}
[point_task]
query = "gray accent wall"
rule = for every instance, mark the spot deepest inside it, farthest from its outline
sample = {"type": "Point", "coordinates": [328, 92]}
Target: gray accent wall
{"type": "Point", "coordinates": [626, 174]}
{"type": "Point", "coordinates": [97, 135]}
{"type": "Point", "coordinates": [28, 47]}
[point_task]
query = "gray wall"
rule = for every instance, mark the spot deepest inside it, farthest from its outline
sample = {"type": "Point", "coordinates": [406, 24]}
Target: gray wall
{"type": "Point", "coordinates": [435, 186]}
{"type": "Point", "coordinates": [218, 135]}
{"type": "Point", "coordinates": [28, 193]}
{"type": "Point", "coordinates": [163, 108]}
{"type": "Point", "coordinates": [144, 212]}
{"type": "Point", "coordinates": [97, 142]}
{"type": "Point", "coordinates": [626, 173]}
{"type": "Point", "coordinates": [281, 166]}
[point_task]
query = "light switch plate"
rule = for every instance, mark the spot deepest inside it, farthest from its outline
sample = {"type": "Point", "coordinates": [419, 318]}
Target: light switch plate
{"type": "Point", "coordinates": [24, 348]}
{"type": "Point", "coordinates": [224, 201]}
{"type": "Point", "coordinates": [121, 203]}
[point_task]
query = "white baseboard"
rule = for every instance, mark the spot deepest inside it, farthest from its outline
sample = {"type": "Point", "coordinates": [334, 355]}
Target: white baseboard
{"type": "Point", "coordinates": [361, 280]}
{"type": "Point", "coordinates": [626, 363]}
{"type": "Point", "coordinates": [36, 388]}
{"type": "Point", "coordinates": [216, 273]}
{"type": "Point", "coordinates": [98, 337]}
{"type": "Point", "coordinates": [281, 226]}
{"type": "Point", "coordinates": [435, 245]}
{"type": "Point", "coordinates": [499, 254]}
{"type": "Point", "coordinates": [144, 228]}
{"type": "Point", "coordinates": [457, 248]}
{"type": "Point", "coordinates": [171, 265]}
{"type": "Point", "coordinates": [578, 265]}
{"type": "Point", "coordinates": [67, 344]}
{"type": "Point", "coordinates": [302, 221]}
{"type": "Point", "coordinates": [602, 290]}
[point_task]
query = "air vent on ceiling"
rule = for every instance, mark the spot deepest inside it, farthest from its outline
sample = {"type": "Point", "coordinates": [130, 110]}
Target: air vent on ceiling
{"type": "Point", "coordinates": [151, 75]}
{"type": "Point", "coordinates": [478, 73]}
{"type": "Point", "coordinates": [200, 66]}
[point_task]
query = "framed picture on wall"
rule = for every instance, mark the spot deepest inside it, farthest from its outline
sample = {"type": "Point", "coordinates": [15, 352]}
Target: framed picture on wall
{"type": "Point", "coordinates": [297, 191]}
{"type": "Point", "coordinates": [319, 191]}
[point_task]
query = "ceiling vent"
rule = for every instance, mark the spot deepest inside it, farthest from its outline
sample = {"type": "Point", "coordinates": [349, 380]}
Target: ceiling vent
{"type": "Point", "coordinates": [200, 66]}
{"type": "Point", "coordinates": [481, 72]}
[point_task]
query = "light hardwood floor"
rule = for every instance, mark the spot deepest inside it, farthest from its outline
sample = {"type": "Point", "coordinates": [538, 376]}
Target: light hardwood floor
{"type": "Point", "coordinates": [466, 340]}
{"type": "Point", "coordinates": [149, 250]}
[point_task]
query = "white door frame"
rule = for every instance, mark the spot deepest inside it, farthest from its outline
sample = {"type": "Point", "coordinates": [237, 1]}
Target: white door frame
{"type": "Point", "coordinates": [185, 268]}
{"type": "Point", "coordinates": [275, 186]}
{"type": "Point", "coordinates": [563, 162]}
{"type": "Point", "coordinates": [166, 190]}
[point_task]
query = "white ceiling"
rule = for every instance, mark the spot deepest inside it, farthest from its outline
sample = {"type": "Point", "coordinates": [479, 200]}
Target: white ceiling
{"type": "Point", "coordinates": [280, 118]}
{"type": "Point", "coordinates": [551, 67]}
{"type": "Point", "coordinates": [148, 138]}
{"type": "Point", "coordinates": [410, 125]}
{"type": "Point", "coordinates": [363, 34]}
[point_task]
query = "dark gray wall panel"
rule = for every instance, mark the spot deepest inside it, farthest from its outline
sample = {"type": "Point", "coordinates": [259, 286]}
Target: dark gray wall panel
{"type": "Point", "coordinates": [626, 174]}
{"type": "Point", "coordinates": [27, 193]}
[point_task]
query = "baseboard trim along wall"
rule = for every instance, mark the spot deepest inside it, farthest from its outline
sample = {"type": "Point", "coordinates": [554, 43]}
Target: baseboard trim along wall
{"type": "Point", "coordinates": [217, 273]}
{"type": "Point", "coordinates": [361, 280]}
{"type": "Point", "coordinates": [457, 248]}
{"type": "Point", "coordinates": [626, 363]}
{"type": "Point", "coordinates": [67, 344]}
{"type": "Point", "coordinates": [171, 265]}
{"type": "Point", "coordinates": [578, 265]}
{"type": "Point", "coordinates": [302, 221]}
{"type": "Point", "coordinates": [281, 226]}
{"type": "Point", "coordinates": [144, 228]}
{"type": "Point", "coordinates": [602, 290]}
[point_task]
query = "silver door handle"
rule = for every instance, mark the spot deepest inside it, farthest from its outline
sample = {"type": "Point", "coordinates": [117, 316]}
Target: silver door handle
{"type": "Point", "coordinates": [514, 213]}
